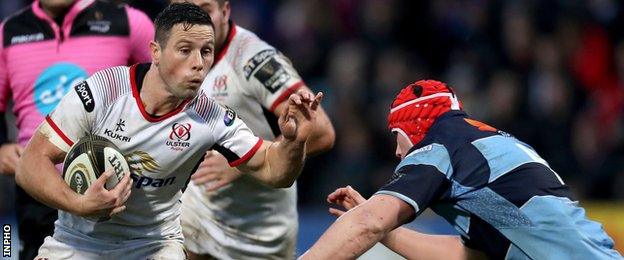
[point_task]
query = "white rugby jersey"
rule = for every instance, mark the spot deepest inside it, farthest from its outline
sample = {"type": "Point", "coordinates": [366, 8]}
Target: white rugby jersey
{"type": "Point", "coordinates": [252, 78]}
{"type": "Point", "coordinates": [162, 151]}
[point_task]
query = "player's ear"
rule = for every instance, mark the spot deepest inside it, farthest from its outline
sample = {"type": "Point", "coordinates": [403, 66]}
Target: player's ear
{"type": "Point", "coordinates": [155, 51]}
{"type": "Point", "coordinates": [226, 11]}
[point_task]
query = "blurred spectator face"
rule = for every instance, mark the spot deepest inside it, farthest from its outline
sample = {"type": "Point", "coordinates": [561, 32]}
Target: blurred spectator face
{"type": "Point", "coordinates": [517, 34]}
{"type": "Point", "coordinates": [219, 11]}
{"type": "Point", "coordinates": [502, 96]}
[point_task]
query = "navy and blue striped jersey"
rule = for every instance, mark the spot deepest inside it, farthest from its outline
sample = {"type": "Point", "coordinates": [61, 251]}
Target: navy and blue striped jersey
{"type": "Point", "coordinates": [497, 192]}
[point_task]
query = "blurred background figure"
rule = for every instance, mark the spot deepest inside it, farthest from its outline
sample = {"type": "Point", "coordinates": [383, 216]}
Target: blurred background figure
{"type": "Point", "coordinates": [227, 214]}
{"type": "Point", "coordinates": [550, 72]}
{"type": "Point", "coordinates": [47, 47]}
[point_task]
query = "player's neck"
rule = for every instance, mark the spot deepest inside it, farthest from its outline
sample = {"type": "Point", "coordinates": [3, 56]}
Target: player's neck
{"type": "Point", "coordinates": [223, 37]}
{"type": "Point", "coordinates": [156, 99]}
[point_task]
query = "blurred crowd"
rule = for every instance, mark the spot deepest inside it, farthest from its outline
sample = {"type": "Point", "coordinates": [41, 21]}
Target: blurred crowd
{"type": "Point", "coordinates": [550, 72]}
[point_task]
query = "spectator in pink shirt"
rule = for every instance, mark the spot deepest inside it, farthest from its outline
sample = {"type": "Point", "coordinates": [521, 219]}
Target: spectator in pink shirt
{"type": "Point", "coordinates": [45, 49]}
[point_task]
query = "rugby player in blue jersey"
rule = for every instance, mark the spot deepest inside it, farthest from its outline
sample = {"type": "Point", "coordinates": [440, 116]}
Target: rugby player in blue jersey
{"type": "Point", "coordinates": [503, 199]}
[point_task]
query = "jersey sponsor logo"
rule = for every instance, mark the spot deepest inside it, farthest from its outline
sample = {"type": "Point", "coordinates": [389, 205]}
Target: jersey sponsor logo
{"type": "Point", "coordinates": [99, 25]}
{"type": "Point", "coordinates": [229, 117]}
{"type": "Point", "coordinates": [35, 37]}
{"type": "Point", "coordinates": [53, 83]}
{"type": "Point", "coordinates": [505, 134]}
{"type": "Point", "coordinates": [141, 162]}
{"type": "Point", "coordinates": [422, 149]}
{"type": "Point", "coordinates": [85, 95]}
{"type": "Point", "coordinates": [253, 63]}
{"type": "Point", "coordinates": [219, 88]}
{"type": "Point", "coordinates": [141, 181]}
{"type": "Point", "coordinates": [272, 75]}
{"type": "Point", "coordinates": [179, 136]}
{"type": "Point", "coordinates": [119, 127]}
{"type": "Point", "coordinates": [264, 67]}
{"type": "Point", "coordinates": [395, 177]}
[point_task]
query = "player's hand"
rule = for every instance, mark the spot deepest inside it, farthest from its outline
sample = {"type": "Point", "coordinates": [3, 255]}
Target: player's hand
{"type": "Point", "coordinates": [346, 197]}
{"type": "Point", "coordinates": [215, 172]}
{"type": "Point", "coordinates": [297, 120]}
{"type": "Point", "coordinates": [9, 156]}
{"type": "Point", "coordinates": [97, 201]}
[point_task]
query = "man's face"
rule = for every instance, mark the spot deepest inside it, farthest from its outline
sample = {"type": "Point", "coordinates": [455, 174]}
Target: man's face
{"type": "Point", "coordinates": [57, 3]}
{"type": "Point", "coordinates": [220, 15]}
{"type": "Point", "coordinates": [186, 59]}
{"type": "Point", "coordinates": [403, 145]}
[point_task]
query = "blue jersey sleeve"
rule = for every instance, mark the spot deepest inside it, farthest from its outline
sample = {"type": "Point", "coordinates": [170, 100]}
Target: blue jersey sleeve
{"type": "Point", "coordinates": [418, 185]}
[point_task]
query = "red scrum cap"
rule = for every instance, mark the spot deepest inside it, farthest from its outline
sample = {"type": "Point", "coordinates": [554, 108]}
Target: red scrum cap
{"type": "Point", "coordinates": [417, 107]}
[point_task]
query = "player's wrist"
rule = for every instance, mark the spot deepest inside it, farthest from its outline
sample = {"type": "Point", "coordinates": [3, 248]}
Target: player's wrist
{"type": "Point", "coordinates": [78, 206]}
{"type": "Point", "coordinates": [295, 142]}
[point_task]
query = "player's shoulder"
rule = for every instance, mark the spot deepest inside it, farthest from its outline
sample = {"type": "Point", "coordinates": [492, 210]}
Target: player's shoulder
{"type": "Point", "coordinates": [248, 49]}
{"type": "Point", "coordinates": [137, 18]}
{"type": "Point", "coordinates": [205, 107]}
{"type": "Point", "coordinates": [248, 42]}
{"type": "Point", "coordinates": [24, 14]}
{"type": "Point", "coordinates": [114, 11]}
{"type": "Point", "coordinates": [112, 75]}
{"type": "Point", "coordinates": [106, 86]}
{"type": "Point", "coordinates": [22, 26]}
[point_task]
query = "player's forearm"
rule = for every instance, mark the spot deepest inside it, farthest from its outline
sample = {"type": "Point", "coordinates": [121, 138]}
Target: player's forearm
{"type": "Point", "coordinates": [349, 237]}
{"type": "Point", "coordinates": [414, 245]}
{"type": "Point", "coordinates": [38, 176]}
{"type": "Point", "coordinates": [285, 161]}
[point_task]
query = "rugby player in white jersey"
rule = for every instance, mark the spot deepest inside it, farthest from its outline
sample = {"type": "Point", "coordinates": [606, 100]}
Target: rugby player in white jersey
{"type": "Point", "coordinates": [254, 79]}
{"type": "Point", "coordinates": [160, 120]}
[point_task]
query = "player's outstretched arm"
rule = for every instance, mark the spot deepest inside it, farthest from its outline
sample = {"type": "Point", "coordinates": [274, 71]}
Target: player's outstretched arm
{"type": "Point", "coordinates": [214, 172]}
{"type": "Point", "coordinates": [278, 164]}
{"type": "Point", "coordinates": [405, 242]}
{"type": "Point", "coordinates": [38, 176]}
{"type": "Point", "coordinates": [360, 228]}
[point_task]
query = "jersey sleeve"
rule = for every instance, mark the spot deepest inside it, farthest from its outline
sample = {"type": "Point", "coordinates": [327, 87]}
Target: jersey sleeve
{"type": "Point", "coordinates": [418, 185]}
{"type": "Point", "coordinates": [74, 117]}
{"type": "Point", "coordinates": [141, 33]}
{"type": "Point", "coordinates": [5, 89]}
{"type": "Point", "coordinates": [234, 140]}
{"type": "Point", "coordinates": [268, 75]}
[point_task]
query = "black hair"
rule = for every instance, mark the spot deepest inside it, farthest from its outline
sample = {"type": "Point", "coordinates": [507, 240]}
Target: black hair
{"type": "Point", "coordinates": [186, 14]}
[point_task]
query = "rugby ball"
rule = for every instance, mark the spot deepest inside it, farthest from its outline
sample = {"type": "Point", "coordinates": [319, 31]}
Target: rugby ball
{"type": "Point", "coordinates": [88, 158]}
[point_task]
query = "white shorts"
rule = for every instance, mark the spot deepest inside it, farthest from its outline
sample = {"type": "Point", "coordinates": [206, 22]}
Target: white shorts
{"type": "Point", "coordinates": [203, 236]}
{"type": "Point", "coordinates": [77, 248]}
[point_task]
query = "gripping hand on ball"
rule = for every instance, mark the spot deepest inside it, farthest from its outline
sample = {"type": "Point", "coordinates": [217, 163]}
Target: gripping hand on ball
{"type": "Point", "coordinates": [100, 202]}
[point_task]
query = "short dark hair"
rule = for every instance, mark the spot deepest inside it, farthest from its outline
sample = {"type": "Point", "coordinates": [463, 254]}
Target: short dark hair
{"type": "Point", "coordinates": [179, 13]}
